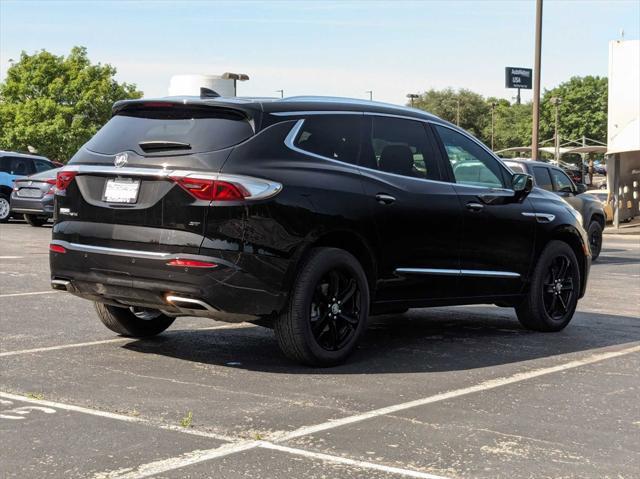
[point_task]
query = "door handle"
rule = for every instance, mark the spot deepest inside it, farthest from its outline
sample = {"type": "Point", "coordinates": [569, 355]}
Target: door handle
{"type": "Point", "coordinates": [473, 206]}
{"type": "Point", "coordinates": [384, 199]}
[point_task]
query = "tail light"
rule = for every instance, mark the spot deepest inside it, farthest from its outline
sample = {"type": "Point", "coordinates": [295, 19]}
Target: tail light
{"type": "Point", "coordinates": [191, 263]}
{"type": "Point", "coordinates": [52, 188]}
{"type": "Point", "coordinates": [56, 248]}
{"type": "Point", "coordinates": [227, 187]}
{"type": "Point", "coordinates": [64, 179]}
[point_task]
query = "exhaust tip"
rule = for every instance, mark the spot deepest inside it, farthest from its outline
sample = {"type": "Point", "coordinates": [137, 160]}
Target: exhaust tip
{"type": "Point", "coordinates": [188, 303]}
{"type": "Point", "coordinates": [61, 284]}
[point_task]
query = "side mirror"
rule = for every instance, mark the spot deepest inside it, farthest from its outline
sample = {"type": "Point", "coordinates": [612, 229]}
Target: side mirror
{"type": "Point", "coordinates": [581, 187]}
{"type": "Point", "coordinates": [522, 184]}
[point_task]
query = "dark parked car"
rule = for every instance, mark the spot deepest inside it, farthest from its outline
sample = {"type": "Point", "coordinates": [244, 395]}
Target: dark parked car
{"type": "Point", "coordinates": [552, 178]}
{"type": "Point", "coordinates": [14, 166]}
{"type": "Point", "coordinates": [33, 197]}
{"type": "Point", "coordinates": [304, 214]}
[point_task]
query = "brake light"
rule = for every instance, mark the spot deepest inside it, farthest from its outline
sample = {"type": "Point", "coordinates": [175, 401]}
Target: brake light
{"type": "Point", "coordinates": [191, 263]}
{"type": "Point", "coordinates": [212, 190]}
{"type": "Point", "coordinates": [64, 179]}
{"type": "Point", "coordinates": [51, 181]}
{"type": "Point", "coordinates": [56, 248]}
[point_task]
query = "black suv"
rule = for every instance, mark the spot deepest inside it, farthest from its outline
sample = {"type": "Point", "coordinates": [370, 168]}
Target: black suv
{"type": "Point", "coordinates": [551, 178]}
{"type": "Point", "coordinates": [305, 214]}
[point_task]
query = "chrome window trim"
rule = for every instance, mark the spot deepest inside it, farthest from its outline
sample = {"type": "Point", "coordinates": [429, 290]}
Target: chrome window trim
{"type": "Point", "coordinates": [458, 272]}
{"type": "Point", "coordinates": [289, 143]}
{"type": "Point", "coordinates": [315, 112]}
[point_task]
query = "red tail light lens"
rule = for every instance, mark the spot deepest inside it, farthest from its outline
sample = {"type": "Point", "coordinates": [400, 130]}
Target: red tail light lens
{"type": "Point", "coordinates": [212, 190]}
{"type": "Point", "coordinates": [56, 248]}
{"type": "Point", "coordinates": [191, 263]}
{"type": "Point", "coordinates": [64, 179]}
{"type": "Point", "coordinates": [51, 181]}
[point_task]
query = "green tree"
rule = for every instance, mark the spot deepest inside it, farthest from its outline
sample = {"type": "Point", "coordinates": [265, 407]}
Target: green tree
{"type": "Point", "coordinates": [582, 110]}
{"type": "Point", "coordinates": [56, 103]}
{"type": "Point", "coordinates": [471, 108]}
{"type": "Point", "coordinates": [512, 125]}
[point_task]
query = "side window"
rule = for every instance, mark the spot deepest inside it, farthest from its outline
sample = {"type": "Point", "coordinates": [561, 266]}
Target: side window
{"type": "Point", "coordinates": [470, 163]}
{"type": "Point", "coordinates": [5, 164]}
{"type": "Point", "coordinates": [331, 136]}
{"type": "Point", "coordinates": [562, 182]}
{"type": "Point", "coordinates": [401, 147]}
{"type": "Point", "coordinates": [42, 165]}
{"type": "Point", "coordinates": [21, 166]}
{"type": "Point", "coordinates": [543, 180]}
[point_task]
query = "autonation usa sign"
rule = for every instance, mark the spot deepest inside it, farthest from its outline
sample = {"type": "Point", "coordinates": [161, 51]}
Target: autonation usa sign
{"type": "Point", "coordinates": [516, 77]}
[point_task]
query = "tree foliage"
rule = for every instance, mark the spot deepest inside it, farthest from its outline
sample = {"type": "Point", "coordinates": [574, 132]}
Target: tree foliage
{"type": "Point", "coordinates": [582, 111]}
{"type": "Point", "coordinates": [56, 103]}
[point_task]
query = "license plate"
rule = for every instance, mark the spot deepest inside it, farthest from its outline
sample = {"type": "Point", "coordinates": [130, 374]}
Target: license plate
{"type": "Point", "coordinates": [121, 190]}
{"type": "Point", "coordinates": [29, 193]}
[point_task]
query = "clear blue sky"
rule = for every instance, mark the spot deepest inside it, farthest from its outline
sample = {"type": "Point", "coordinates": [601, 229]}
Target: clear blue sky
{"type": "Point", "coordinates": [325, 48]}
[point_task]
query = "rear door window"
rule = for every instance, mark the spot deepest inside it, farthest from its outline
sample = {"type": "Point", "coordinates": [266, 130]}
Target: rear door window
{"type": "Point", "coordinates": [176, 130]}
{"type": "Point", "coordinates": [401, 147]}
{"type": "Point", "coordinates": [336, 137]}
{"type": "Point", "coordinates": [19, 166]}
{"type": "Point", "coordinates": [42, 165]}
{"type": "Point", "coordinates": [561, 182]}
{"type": "Point", "coordinates": [543, 179]}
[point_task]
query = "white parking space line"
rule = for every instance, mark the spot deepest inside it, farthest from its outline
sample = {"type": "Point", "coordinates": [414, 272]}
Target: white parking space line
{"type": "Point", "coordinates": [10, 295]}
{"type": "Point", "coordinates": [11, 257]}
{"type": "Point", "coordinates": [350, 462]}
{"type": "Point", "coordinates": [483, 386]}
{"type": "Point", "coordinates": [107, 341]}
{"type": "Point", "coordinates": [115, 416]}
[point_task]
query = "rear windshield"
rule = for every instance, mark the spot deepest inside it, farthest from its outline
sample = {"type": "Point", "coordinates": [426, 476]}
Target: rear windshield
{"type": "Point", "coordinates": [177, 130]}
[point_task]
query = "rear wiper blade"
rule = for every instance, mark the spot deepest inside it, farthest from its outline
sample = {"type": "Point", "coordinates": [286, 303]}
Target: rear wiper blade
{"type": "Point", "coordinates": [157, 145]}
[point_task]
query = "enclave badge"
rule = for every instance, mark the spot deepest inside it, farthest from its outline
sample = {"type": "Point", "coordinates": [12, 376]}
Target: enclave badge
{"type": "Point", "coordinates": [121, 160]}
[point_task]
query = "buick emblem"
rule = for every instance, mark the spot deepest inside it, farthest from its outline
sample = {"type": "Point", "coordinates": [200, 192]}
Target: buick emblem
{"type": "Point", "coordinates": [121, 160]}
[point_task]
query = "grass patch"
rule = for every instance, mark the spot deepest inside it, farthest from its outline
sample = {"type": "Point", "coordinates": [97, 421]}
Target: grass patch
{"type": "Point", "coordinates": [187, 420]}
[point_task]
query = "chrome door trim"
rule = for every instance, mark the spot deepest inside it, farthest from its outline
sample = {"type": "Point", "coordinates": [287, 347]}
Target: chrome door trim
{"type": "Point", "coordinates": [540, 217]}
{"type": "Point", "coordinates": [458, 272]}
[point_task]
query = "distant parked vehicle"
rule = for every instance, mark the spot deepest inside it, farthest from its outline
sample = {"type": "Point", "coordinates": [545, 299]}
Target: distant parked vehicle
{"type": "Point", "coordinates": [13, 166]}
{"type": "Point", "coordinates": [603, 196]}
{"type": "Point", "coordinates": [551, 178]}
{"type": "Point", "coordinates": [33, 197]}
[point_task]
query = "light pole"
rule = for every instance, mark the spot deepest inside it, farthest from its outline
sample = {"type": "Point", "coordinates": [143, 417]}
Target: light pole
{"type": "Point", "coordinates": [555, 101]}
{"type": "Point", "coordinates": [411, 97]}
{"type": "Point", "coordinates": [370, 92]}
{"type": "Point", "coordinates": [493, 110]}
{"type": "Point", "coordinates": [281, 93]}
{"type": "Point", "coordinates": [458, 112]}
{"type": "Point", "coordinates": [536, 83]}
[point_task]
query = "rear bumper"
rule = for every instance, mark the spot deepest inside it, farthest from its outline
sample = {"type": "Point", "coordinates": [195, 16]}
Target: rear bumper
{"type": "Point", "coordinates": [33, 206]}
{"type": "Point", "coordinates": [130, 277]}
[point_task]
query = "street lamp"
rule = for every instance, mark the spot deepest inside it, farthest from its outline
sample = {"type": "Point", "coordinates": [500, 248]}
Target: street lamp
{"type": "Point", "coordinates": [412, 97]}
{"type": "Point", "coordinates": [555, 101]}
{"type": "Point", "coordinates": [281, 93]}
{"type": "Point", "coordinates": [493, 110]}
{"type": "Point", "coordinates": [236, 77]}
{"type": "Point", "coordinates": [370, 92]}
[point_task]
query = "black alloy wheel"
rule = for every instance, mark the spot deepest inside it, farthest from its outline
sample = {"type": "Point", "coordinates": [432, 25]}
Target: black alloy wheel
{"type": "Point", "coordinates": [335, 309]}
{"type": "Point", "coordinates": [327, 309]}
{"type": "Point", "coordinates": [558, 288]}
{"type": "Point", "coordinates": [552, 296]}
{"type": "Point", "coordinates": [595, 239]}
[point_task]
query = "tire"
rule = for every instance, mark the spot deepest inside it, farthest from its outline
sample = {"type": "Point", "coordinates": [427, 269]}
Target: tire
{"type": "Point", "coordinates": [313, 329]}
{"type": "Point", "coordinates": [595, 239]}
{"type": "Point", "coordinates": [35, 220]}
{"type": "Point", "coordinates": [553, 293]}
{"type": "Point", "coordinates": [142, 323]}
{"type": "Point", "coordinates": [5, 208]}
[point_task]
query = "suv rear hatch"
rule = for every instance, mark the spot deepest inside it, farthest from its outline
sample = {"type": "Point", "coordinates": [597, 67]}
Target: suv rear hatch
{"type": "Point", "coordinates": [135, 184]}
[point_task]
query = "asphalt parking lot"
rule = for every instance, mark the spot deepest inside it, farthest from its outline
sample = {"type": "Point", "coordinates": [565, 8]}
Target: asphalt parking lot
{"type": "Point", "coordinates": [456, 392]}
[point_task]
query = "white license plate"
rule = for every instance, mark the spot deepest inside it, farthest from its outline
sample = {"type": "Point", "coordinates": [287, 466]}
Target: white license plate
{"type": "Point", "coordinates": [29, 193]}
{"type": "Point", "coordinates": [121, 190]}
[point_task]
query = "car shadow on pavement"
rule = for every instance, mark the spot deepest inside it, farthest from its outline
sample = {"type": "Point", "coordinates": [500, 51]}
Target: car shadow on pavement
{"type": "Point", "coordinates": [424, 340]}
